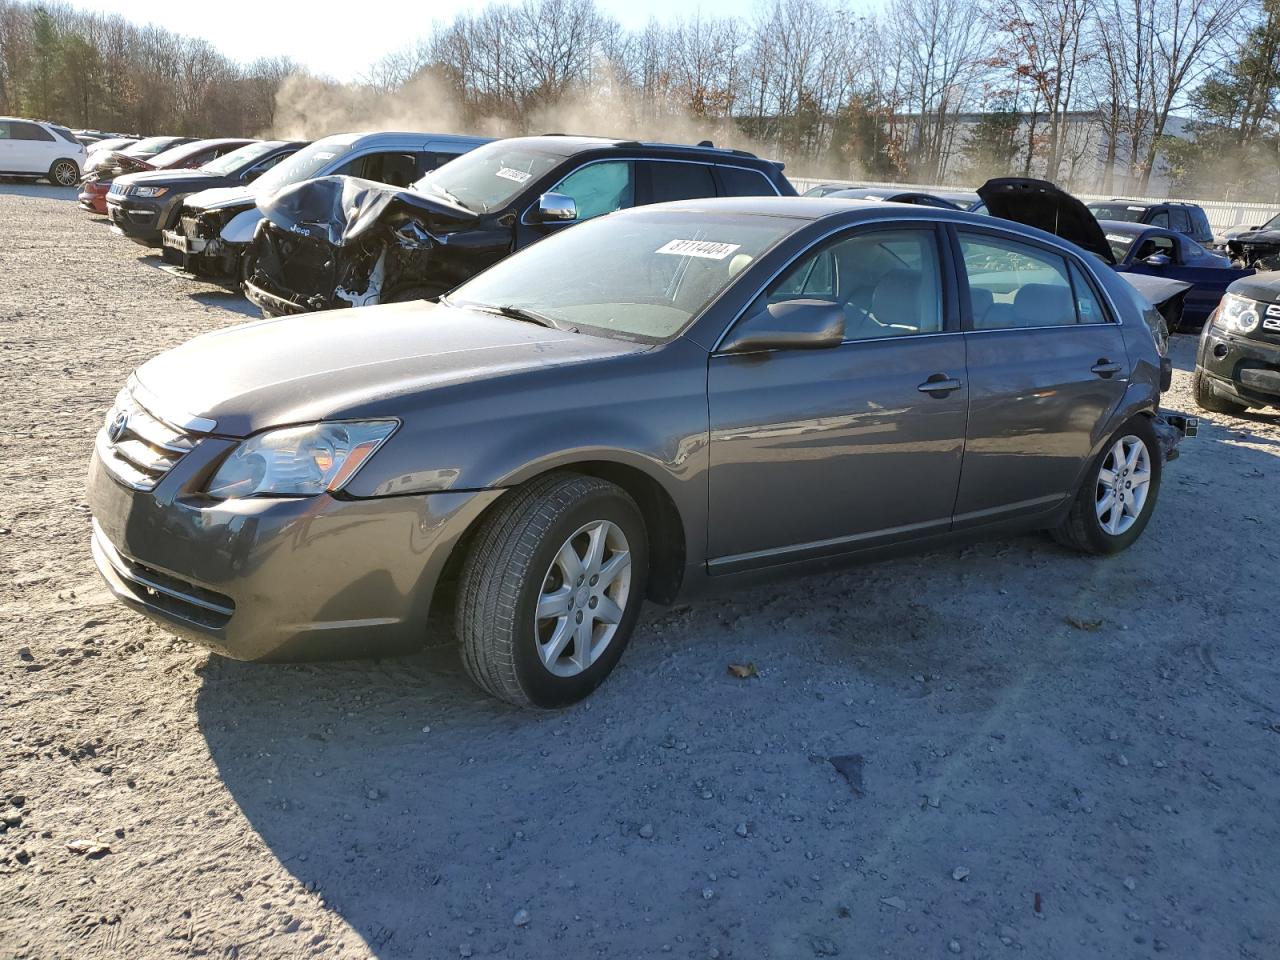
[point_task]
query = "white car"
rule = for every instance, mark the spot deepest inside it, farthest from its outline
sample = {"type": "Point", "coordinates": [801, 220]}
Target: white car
{"type": "Point", "coordinates": [38, 148]}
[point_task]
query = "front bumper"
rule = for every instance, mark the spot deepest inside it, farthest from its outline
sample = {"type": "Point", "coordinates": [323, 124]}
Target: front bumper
{"type": "Point", "coordinates": [93, 199]}
{"type": "Point", "coordinates": [275, 579]}
{"type": "Point", "coordinates": [139, 220]}
{"type": "Point", "coordinates": [271, 304]}
{"type": "Point", "coordinates": [1243, 368]}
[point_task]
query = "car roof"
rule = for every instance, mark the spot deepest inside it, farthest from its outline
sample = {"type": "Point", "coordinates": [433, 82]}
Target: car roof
{"type": "Point", "coordinates": [569, 145]}
{"type": "Point", "coordinates": [397, 136]}
{"type": "Point", "coordinates": [1131, 228]}
{"type": "Point", "coordinates": [1145, 204]}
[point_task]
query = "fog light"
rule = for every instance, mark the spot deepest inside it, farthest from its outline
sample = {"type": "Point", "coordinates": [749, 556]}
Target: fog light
{"type": "Point", "coordinates": [1220, 351]}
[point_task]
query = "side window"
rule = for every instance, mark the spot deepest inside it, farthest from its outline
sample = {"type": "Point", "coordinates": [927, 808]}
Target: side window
{"type": "Point", "coordinates": [1178, 220]}
{"type": "Point", "coordinates": [887, 282]}
{"type": "Point", "coordinates": [600, 188]}
{"type": "Point", "coordinates": [396, 168]}
{"type": "Point", "coordinates": [258, 169]}
{"type": "Point", "coordinates": [1088, 307]}
{"type": "Point", "coordinates": [4, 130]}
{"type": "Point", "coordinates": [1153, 245]}
{"type": "Point", "coordinates": [434, 160]}
{"type": "Point", "coordinates": [1160, 219]}
{"type": "Point", "coordinates": [1012, 285]}
{"type": "Point", "coordinates": [21, 130]}
{"type": "Point", "coordinates": [740, 182]}
{"type": "Point", "coordinates": [679, 181]}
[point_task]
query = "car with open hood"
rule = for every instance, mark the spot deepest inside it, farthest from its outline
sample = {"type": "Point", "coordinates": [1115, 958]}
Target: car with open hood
{"type": "Point", "coordinates": [150, 153]}
{"type": "Point", "coordinates": [1157, 252]}
{"type": "Point", "coordinates": [211, 236]}
{"type": "Point", "coordinates": [142, 205]}
{"type": "Point", "coordinates": [658, 402]}
{"type": "Point", "coordinates": [1238, 359]}
{"type": "Point", "coordinates": [342, 242]}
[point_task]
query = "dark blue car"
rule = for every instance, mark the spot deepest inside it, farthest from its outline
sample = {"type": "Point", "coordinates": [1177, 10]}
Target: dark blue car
{"type": "Point", "coordinates": [1155, 251]}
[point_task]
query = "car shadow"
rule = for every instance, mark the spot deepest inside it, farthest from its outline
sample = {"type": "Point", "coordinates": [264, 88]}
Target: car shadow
{"type": "Point", "coordinates": [226, 299]}
{"type": "Point", "coordinates": [27, 188]}
{"type": "Point", "coordinates": [426, 815]}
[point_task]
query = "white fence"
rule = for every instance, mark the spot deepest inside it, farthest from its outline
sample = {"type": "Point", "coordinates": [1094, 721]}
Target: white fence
{"type": "Point", "coordinates": [1222, 214]}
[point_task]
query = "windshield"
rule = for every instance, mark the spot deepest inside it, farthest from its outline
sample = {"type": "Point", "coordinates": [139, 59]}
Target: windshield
{"type": "Point", "coordinates": [303, 165]}
{"type": "Point", "coordinates": [115, 143]}
{"type": "Point", "coordinates": [1129, 212]}
{"type": "Point", "coordinates": [150, 146]}
{"type": "Point", "coordinates": [638, 275]}
{"type": "Point", "coordinates": [229, 163]}
{"type": "Point", "coordinates": [177, 156]}
{"type": "Point", "coordinates": [489, 176]}
{"type": "Point", "coordinates": [1120, 244]}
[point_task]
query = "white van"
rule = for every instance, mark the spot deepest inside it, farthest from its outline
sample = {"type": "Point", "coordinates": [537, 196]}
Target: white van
{"type": "Point", "coordinates": [38, 148]}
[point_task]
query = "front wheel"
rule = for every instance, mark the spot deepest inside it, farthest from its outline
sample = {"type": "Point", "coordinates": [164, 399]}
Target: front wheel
{"type": "Point", "coordinates": [65, 173]}
{"type": "Point", "coordinates": [551, 589]}
{"type": "Point", "coordinates": [1118, 495]}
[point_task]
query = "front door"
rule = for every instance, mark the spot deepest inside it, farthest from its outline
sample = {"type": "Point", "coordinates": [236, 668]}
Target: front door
{"type": "Point", "coordinates": [596, 188]}
{"type": "Point", "coordinates": [1047, 366]}
{"type": "Point", "coordinates": [818, 452]}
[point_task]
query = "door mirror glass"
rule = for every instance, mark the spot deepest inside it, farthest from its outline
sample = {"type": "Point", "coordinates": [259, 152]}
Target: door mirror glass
{"type": "Point", "coordinates": [1156, 260]}
{"type": "Point", "coordinates": [556, 208]}
{"type": "Point", "coordinates": [788, 325]}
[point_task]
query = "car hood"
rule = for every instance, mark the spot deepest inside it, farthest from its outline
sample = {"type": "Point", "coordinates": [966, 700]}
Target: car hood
{"type": "Point", "coordinates": [341, 209]}
{"type": "Point", "coordinates": [1256, 236]}
{"type": "Point", "coordinates": [1156, 290]}
{"type": "Point", "coordinates": [182, 180]}
{"type": "Point", "coordinates": [1263, 286]}
{"type": "Point", "coordinates": [219, 198]}
{"type": "Point", "coordinates": [345, 363]}
{"type": "Point", "coordinates": [1041, 204]}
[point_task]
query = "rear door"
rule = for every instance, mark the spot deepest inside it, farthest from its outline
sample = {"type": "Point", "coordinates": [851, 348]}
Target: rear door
{"type": "Point", "coordinates": [666, 180]}
{"type": "Point", "coordinates": [819, 452]}
{"type": "Point", "coordinates": [1047, 366]}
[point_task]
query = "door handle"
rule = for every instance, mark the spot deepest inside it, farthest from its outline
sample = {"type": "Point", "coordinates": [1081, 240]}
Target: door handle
{"type": "Point", "coordinates": [939, 385]}
{"type": "Point", "coordinates": [1105, 368]}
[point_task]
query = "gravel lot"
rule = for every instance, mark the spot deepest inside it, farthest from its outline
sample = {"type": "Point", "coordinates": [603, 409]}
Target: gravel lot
{"type": "Point", "coordinates": [1062, 757]}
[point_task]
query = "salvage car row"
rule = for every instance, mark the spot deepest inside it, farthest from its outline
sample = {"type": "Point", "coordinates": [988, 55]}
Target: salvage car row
{"type": "Point", "coordinates": [581, 374]}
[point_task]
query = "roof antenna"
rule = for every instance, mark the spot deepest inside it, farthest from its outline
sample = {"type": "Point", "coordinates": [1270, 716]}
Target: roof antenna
{"type": "Point", "coordinates": [706, 143]}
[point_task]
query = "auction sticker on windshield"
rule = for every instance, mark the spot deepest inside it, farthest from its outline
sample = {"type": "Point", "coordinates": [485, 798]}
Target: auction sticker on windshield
{"type": "Point", "coordinates": [706, 249]}
{"type": "Point", "coordinates": [519, 176]}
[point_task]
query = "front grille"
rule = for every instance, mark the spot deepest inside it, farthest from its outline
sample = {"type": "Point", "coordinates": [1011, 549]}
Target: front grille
{"type": "Point", "coordinates": [117, 189]}
{"type": "Point", "coordinates": [163, 591]}
{"type": "Point", "coordinates": [194, 227]}
{"type": "Point", "coordinates": [139, 447]}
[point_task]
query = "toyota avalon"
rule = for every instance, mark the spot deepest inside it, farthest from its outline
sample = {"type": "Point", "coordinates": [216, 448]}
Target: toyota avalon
{"type": "Point", "coordinates": [650, 404]}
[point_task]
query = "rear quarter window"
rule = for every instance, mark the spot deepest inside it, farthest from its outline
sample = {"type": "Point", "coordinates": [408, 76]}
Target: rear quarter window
{"type": "Point", "coordinates": [741, 182]}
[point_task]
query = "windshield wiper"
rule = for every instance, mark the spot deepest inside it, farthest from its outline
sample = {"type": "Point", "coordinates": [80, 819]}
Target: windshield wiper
{"type": "Point", "coordinates": [447, 195]}
{"type": "Point", "coordinates": [526, 315]}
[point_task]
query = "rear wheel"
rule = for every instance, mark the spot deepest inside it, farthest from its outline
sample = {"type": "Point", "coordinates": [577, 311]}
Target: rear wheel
{"type": "Point", "coordinates": [1207, 398]}
{"type": "Point", "coordinates": [551, 589]}
{"type": "Point", "coordinates": [64, 173]}
{"type": "Point", "coordinates": [1118, 495]}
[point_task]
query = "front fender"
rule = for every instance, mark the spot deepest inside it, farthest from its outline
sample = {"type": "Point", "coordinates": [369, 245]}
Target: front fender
{"type": "Point", "coordinates": [239, 229]}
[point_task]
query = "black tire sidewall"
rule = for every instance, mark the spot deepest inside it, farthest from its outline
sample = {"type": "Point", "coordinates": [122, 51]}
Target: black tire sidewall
{"type": "Point", "coordinates": [543, 688]}
{"type": "Point", "coordinates": [1099, 539]}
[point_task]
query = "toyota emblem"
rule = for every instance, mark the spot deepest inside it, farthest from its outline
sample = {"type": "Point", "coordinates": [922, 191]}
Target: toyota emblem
{"type": "Point", "coordinates": [118, 425]}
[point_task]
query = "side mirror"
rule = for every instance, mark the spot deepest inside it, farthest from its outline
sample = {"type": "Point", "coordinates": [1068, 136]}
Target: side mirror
{"type": "Point", "coordinates": [1156, 260]}
{"type": "Point", "coordinates": [789, 325]}
{"type": "Point", "coordinates": [556, 208]}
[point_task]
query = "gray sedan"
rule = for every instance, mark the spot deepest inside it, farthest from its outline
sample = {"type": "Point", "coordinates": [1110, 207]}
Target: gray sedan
{"type": "Point", "coordinates": [645, 406]}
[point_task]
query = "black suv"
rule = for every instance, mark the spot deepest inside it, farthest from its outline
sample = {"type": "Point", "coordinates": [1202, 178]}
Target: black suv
{"type": "Point", "coordinates": [341, 241]}
{"type": "Point", "coordinates": [1238, 361]}
{"type": "Point", "coordinates": [1171, 214]}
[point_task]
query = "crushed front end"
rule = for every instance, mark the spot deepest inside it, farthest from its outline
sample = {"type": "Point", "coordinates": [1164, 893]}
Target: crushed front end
{"type": "Point", "coordinates": [1257, 249]}
{"type": "Point", "coordinates": [195, 244]}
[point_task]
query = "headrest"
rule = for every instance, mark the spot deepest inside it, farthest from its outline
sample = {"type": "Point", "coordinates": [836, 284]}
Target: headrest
{"type": "Point", "coordinates": [1043, 305]}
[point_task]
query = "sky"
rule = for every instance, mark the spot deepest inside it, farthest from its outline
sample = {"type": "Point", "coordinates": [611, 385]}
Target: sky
{"type": "Point", "coordinates": [335, 38]}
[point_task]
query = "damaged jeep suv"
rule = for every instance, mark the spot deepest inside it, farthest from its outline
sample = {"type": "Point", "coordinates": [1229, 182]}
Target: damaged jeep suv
{"type": "Point", "coordinates": [341, 241]}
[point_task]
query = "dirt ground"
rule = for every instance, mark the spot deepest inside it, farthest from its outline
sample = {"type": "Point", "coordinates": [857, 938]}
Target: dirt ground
{"type": "Point", "coordinates": [1060, 757]}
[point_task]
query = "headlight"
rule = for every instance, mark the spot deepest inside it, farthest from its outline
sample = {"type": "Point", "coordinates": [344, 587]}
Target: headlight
{"type": "Point", "coordinates": [149, 193]}
{"type": "Point", "coordinates": [299, 461]}
{"type": "Point", "coordinates": [1238, 314]}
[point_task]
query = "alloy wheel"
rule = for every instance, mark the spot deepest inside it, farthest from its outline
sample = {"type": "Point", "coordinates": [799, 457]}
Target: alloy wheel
{"type": "Point", "coordinates": [1124, 480]}
{"type": "Point", "coordinates": [583, 596]}
{"type": "Point", "coordinates": [65, 173]}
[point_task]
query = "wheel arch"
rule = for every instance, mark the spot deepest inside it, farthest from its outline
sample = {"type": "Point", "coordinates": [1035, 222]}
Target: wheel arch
{"type": "Point", "coordinates": [664, 524]}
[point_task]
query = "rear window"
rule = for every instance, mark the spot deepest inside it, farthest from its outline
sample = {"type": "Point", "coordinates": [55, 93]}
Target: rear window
{"type": "Point", "coordinates": [1131, 212]}
{"type": "Point", "coordinates": [679, 181]}
{"type": "Point", "coordinates": [66, 135]}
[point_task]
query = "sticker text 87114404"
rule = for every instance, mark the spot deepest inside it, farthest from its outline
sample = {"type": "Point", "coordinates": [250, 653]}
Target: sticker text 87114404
{"type": "Point", "coordinates": [707, 249]}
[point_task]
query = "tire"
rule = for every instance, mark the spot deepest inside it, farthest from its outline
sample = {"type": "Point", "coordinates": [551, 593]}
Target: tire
{"type": "Point", "coordinates": [64, 173]}
{"type": "Point", "coordinates": [515, 562]}
{"type": "Point", "coordinates": [1085, 528]}
{"type": "Point", "coordinates": [1208, 399]}
{"type": "Point", "coordinates": [409, 294]}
